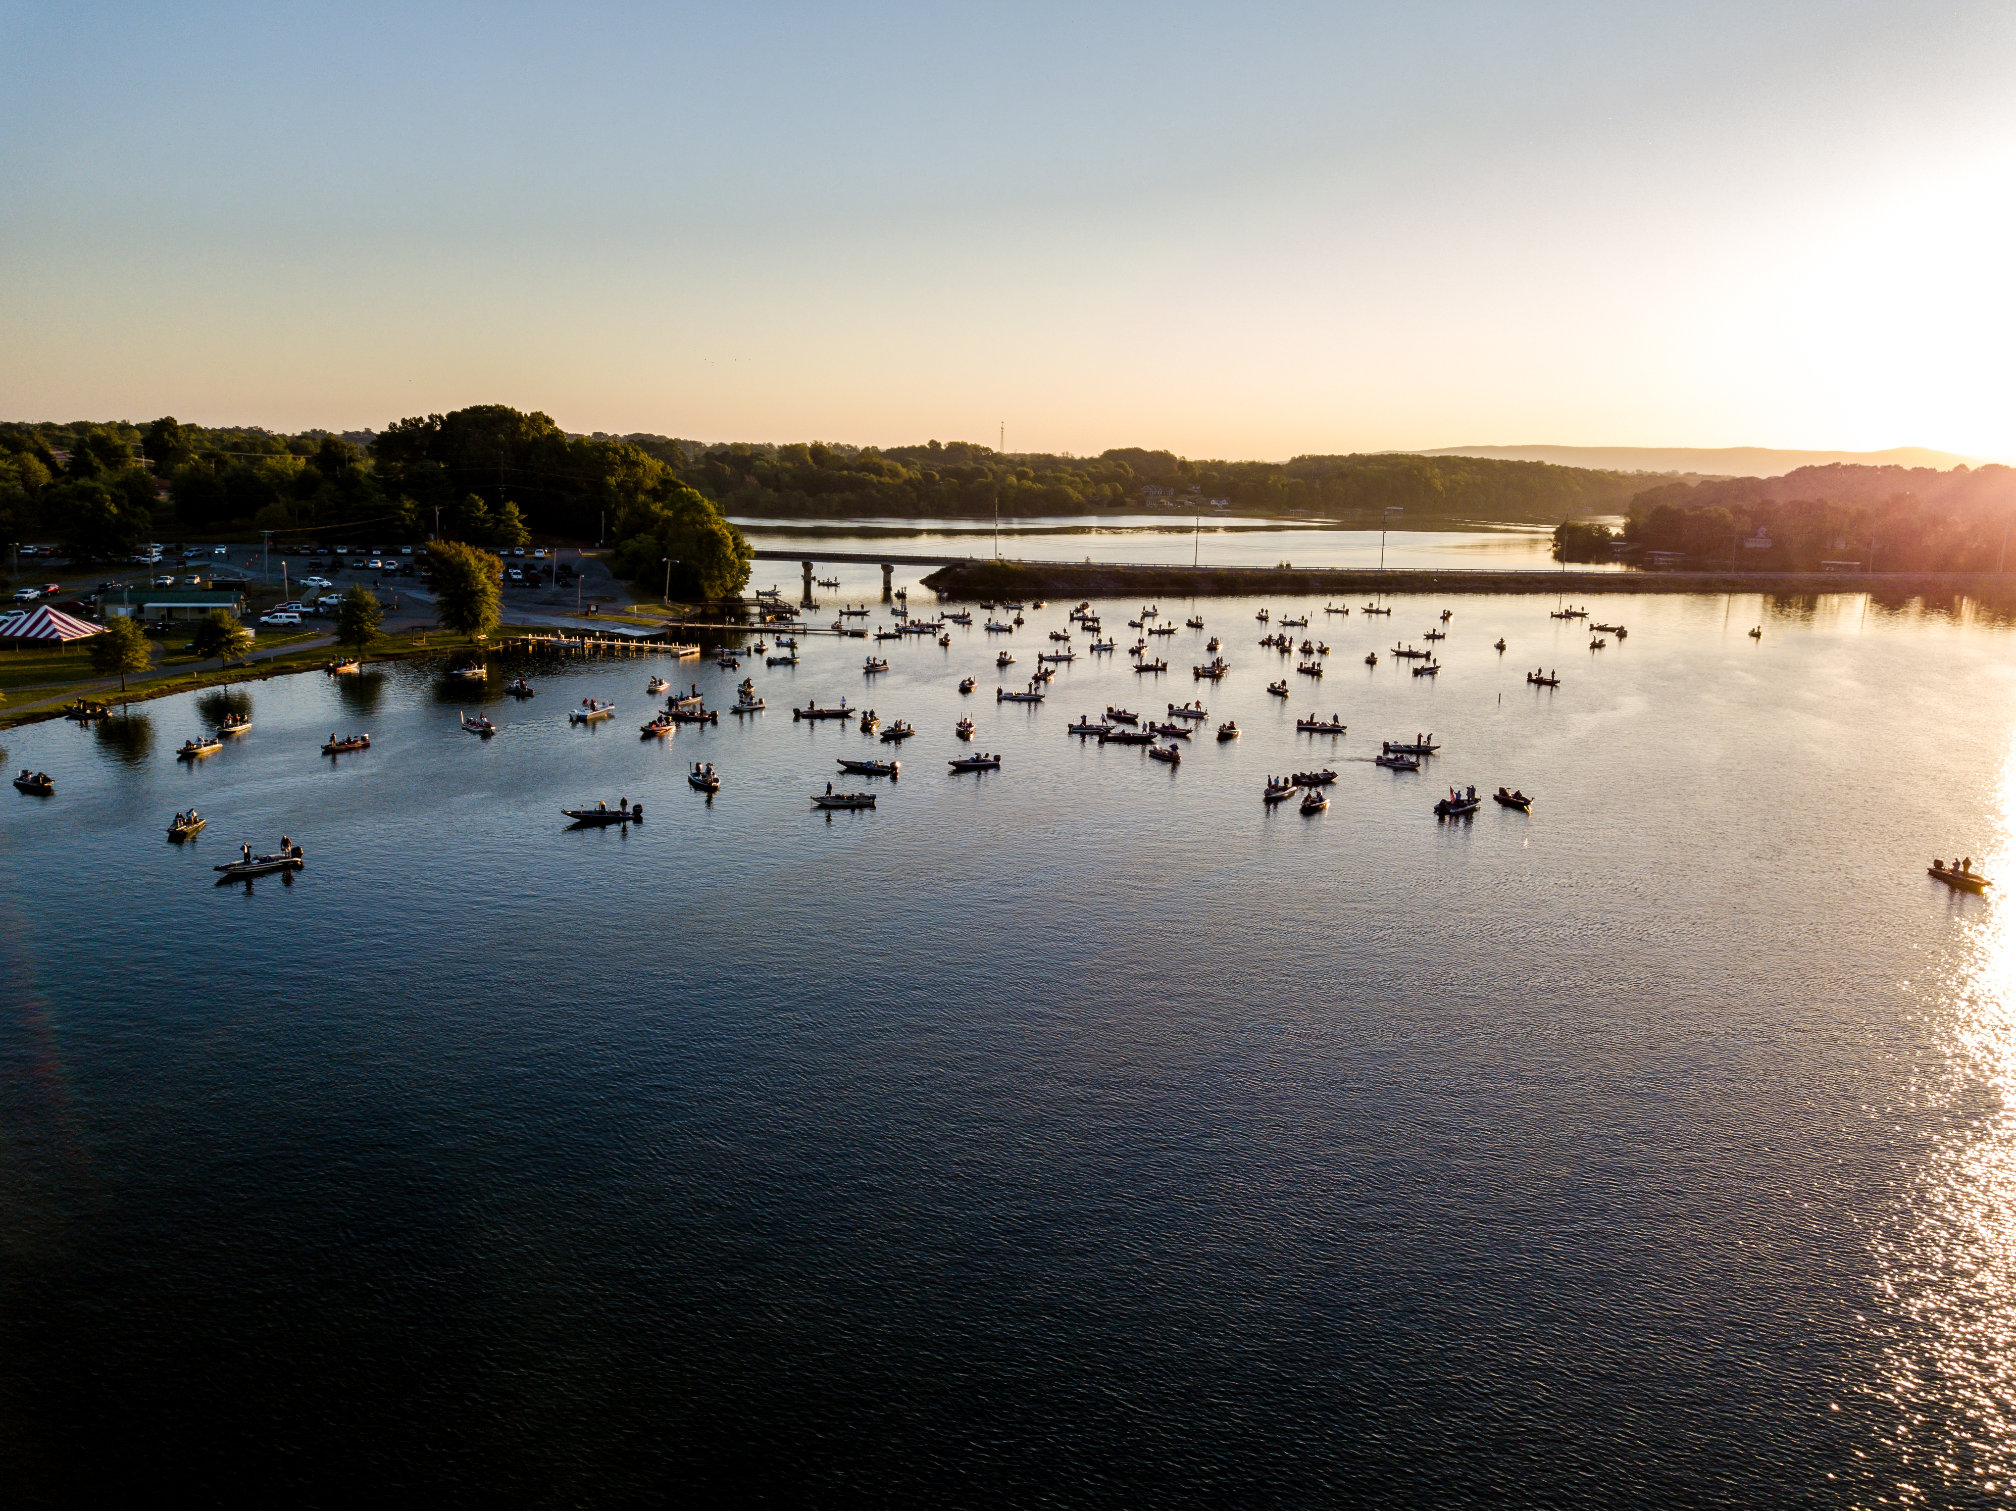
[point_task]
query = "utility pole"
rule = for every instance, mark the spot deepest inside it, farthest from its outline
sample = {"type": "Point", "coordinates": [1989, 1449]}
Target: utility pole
{"type": "Point", "coordinates": [437, 521]}
{"type": "Point", "coordinates": [1389, 511]}
{"type": "Point", "coordinates": [667, 594]}
{"type": "Point", "coordinates": [1196, 540]}
{"type": "Point", "coordinates": [265, 557]}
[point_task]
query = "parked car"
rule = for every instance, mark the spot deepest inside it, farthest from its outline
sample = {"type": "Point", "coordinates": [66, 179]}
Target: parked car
{"type": "Point", "coordinates": [293, 606]}
{"type": "Point", "coordinates": [220, 550]}
{"type": "Point", "coordinates": [329, 600]}
{"type": "Point", "coordinates": [317, 582]}
{"type": "Point", "coordinates": [165, 580]}
{"type": "Point", "coordinates": [540, 552]}
{"type": "Point", "coordinates": [27, 595]}
{"type": "Point", "coordinates": [405, 550]}
{"type": "Point", "coordinates": [279, 618]}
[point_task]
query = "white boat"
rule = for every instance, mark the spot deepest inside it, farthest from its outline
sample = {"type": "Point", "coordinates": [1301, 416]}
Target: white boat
{"type": "Point", "coordinates": [1195, 711]}
{"type": "Point", "coordinates": [843, 800]}
{"type": "Point", "coordinates": [478, 726]}
{"type": "Point", "coordinates": [703, 779]}
{"type": "Point", "coordinates": [590, 710]}
{"type": "Point", "coordinates": [1087, 727]}
{"type": "Point", "coordinates": [1059, 658]}
{"type": "Point", "coordinates": [748, 706]}
{"type": "Point", "coordinates": [1315, 726]}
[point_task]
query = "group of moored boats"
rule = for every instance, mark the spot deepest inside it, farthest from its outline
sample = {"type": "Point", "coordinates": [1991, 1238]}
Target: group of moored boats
{"type": "Point", "coordinates": [1119, 726]}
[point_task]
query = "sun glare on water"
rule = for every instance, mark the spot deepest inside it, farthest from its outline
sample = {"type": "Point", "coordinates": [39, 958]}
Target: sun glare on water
{"type": "Point", "coordinates": [1946, 1261]}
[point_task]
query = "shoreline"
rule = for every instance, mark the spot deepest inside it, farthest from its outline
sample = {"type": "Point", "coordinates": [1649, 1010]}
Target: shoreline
{"type": "Point", "coordinates": [1012, 579]}
{"type": "Point", "coordinates": [49, 703]}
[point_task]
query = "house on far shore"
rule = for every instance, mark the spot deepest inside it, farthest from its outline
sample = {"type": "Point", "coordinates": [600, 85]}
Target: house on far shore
{"type": "Point", "coordinates": [169, 603]}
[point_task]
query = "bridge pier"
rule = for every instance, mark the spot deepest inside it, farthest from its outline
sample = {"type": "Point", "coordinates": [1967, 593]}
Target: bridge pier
{"type": "Point", "coordinates": [806, 601]}
{"type": "Point", "coordinates": [888, 572]}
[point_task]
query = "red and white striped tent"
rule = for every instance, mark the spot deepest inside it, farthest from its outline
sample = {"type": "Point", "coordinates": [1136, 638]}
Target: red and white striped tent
{"type": "Point", "coordinates": [45, 623]}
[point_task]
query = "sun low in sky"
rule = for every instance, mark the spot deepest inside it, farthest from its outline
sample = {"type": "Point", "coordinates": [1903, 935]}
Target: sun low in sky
{"type": "Point", "coordinates": [1236, 230]}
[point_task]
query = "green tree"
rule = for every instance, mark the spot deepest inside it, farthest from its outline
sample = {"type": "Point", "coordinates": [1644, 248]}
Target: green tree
{"type": "Point", "coordinates": [467, 596]}
{"type": "Point", "coordinates": [472, 521]}
{"type": "Point", "coordinates": [508, 526]}
{"type": "Point", "coordinates": [709, 558]}
{"type": "Point", "coordinates": [219, 634]}
{"type": "Point", "coordinates": [95, 522]}
{"type": "Point", "coordinates": [358, 617]}
{"type": "Point", "coordinates": [166, 444]}
{"type": "Point", "coordinates": [120, 650]}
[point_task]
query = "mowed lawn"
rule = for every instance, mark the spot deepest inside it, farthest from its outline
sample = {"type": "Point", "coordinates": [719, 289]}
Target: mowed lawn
{"type": "Point", "coordinates": [39, 667]}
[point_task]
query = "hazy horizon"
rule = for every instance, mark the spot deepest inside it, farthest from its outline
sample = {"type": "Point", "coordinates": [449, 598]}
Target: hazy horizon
{"type": "Point", "coordinates": [1297, 229]}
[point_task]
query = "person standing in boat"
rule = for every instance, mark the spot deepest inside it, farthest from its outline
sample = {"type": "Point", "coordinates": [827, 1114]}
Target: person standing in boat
{"type": "Point", "coordinates": [245, 852]}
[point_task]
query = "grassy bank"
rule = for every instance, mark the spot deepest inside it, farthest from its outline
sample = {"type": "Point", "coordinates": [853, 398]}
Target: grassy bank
{"type": "Point", "coordinates": [38, 683]}
{"type": "Point", "coordinates": [1004, 579]}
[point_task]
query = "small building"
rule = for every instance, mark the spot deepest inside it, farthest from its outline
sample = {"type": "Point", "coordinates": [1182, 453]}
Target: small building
{"type": "Point", "coordinates": [169, 603]}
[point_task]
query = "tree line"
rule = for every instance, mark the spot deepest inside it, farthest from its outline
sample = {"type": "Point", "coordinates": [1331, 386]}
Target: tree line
{"type": "Point", "coordinates": [1891, 519]}
{"type": "Point", "coordinates": [491, 476]}
{"type": "Point", "coordinates": [962, 480]}
{"type": "Point", "coordinates": [487, 476]}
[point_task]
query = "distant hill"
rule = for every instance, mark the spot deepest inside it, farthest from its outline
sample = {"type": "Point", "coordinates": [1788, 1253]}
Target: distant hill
{"type": "Point", "coordinates": [1706, 461]}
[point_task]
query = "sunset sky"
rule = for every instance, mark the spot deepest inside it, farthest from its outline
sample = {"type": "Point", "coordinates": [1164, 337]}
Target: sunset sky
{"type": "Point", "coordinates": [1236, 231]}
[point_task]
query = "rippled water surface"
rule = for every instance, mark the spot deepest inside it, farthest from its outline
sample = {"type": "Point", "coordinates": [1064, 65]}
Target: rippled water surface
{"type": "Point", "coordinates": [1083, 1133]}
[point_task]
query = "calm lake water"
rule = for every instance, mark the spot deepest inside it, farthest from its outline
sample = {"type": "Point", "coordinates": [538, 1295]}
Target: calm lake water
{"type": "Point", "coordinates": [1168, 540]}
{"type": "Point", "coordinates": [1083, 1133]}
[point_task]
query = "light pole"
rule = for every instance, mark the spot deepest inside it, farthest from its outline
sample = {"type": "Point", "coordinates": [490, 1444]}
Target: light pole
{"type": "Point", "coordinates": [1391, 509]}
{"type": "Point", "coordinates": [667, 594]}
{"type": "Point", "coordinates": [265, 557]}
